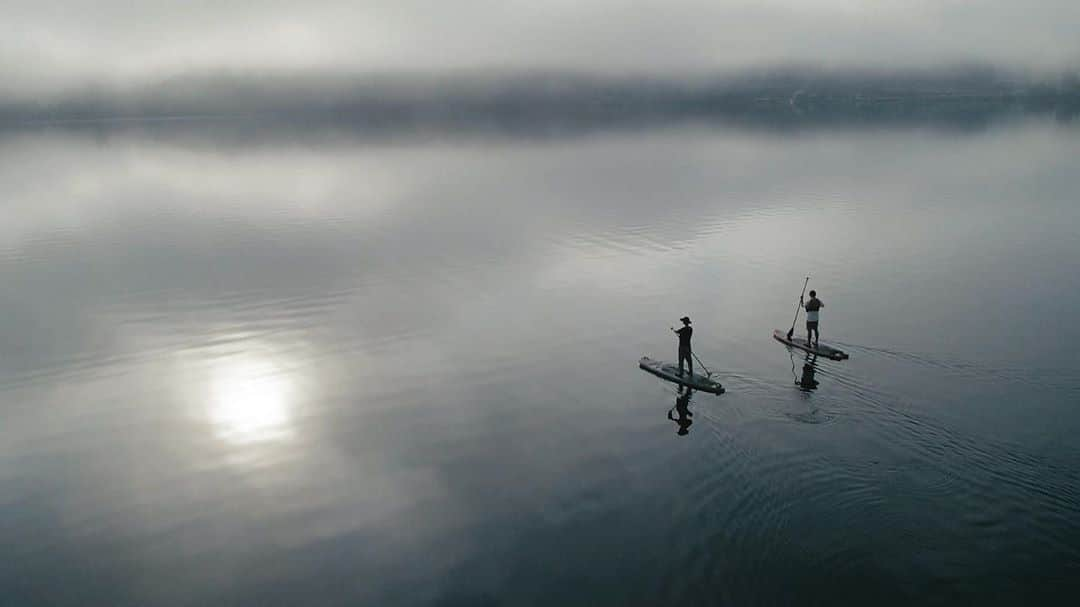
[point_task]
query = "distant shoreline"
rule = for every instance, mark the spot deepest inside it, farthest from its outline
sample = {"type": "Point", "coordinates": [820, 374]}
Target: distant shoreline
{"type": "Point", "coordinates": [553, 103]}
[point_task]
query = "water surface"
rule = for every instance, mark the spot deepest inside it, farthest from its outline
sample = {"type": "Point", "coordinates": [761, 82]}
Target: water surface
{"type": "Point", "coordinates": [344, 370]}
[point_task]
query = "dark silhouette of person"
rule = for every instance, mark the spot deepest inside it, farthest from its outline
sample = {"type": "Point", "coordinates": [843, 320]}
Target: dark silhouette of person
{"type": "Point", "coordinates": [812, 308]}
{"type": "Point", "coordinates": [684, 345]}
{"type": "Point", "coordinates": [807, 383]}
{"type": "Point", "coordinates": [682, 406]}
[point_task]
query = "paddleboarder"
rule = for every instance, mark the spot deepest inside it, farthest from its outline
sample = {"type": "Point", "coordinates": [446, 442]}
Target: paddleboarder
{"type": "Point", "coordinates": [812, 307]}
{"type": "Point", "coordinates": [684, 345]}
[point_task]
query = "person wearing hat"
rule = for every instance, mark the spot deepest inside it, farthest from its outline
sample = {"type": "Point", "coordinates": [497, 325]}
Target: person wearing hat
{"type": "Point", "coordinates": [684, 344]}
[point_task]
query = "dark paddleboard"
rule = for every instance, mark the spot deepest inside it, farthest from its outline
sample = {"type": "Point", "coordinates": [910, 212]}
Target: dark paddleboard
{"type": "Point", "coordinates": [800, 343]}
{"type": "Point", "coordinates": [670, 372]}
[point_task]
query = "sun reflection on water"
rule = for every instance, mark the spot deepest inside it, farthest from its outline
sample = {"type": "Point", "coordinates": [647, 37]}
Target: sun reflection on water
{"type": "Point", "coordinates": [250, 402]}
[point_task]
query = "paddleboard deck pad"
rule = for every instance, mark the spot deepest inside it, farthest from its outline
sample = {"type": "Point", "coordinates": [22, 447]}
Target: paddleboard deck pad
{"type": "Point", "coordinates": [670, 372]}
{"type": "Point", "coordinates": [800, 343]}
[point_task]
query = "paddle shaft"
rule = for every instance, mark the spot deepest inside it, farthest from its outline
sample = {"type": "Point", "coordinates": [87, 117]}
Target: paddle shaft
{"type": "Point", "coordinates": [798, 306]}
{"type": "Point", "coordinates": [708, 373]}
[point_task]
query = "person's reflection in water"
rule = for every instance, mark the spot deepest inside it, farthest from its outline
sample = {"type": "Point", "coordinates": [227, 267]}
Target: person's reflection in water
{"type": "Point", "coordinates": [807, 383]}
{"type": "Point", "coordinates": [682, 406]}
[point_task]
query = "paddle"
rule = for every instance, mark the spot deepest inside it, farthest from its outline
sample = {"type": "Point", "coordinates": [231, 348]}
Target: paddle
{"type": "Point", "coordinates": [798, 307]}
{"type": "Point", "coordinates": [708, 373]}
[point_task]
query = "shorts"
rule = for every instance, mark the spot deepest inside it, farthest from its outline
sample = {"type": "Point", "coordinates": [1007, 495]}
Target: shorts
{"type": "Point", "coordinates": [811, 325]}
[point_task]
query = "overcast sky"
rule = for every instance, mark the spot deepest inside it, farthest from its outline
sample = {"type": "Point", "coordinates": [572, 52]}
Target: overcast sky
{"type": "Point", "coordinates": [48, 45]}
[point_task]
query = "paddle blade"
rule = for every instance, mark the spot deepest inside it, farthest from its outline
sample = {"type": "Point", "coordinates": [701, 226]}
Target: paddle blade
{"type": "Point", "coordinates": [790, 332]}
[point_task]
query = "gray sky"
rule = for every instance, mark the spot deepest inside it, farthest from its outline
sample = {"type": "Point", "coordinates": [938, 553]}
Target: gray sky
{"type": "Point", "coordinates": [49, 45]}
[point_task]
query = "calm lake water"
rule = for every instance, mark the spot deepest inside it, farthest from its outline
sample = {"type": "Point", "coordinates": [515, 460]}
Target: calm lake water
{"type": "Point", "coordinates": [337, 370]}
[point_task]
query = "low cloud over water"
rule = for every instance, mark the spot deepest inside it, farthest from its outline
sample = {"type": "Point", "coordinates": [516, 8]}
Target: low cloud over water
{"type": "Point", "coordinates": [52, 46]}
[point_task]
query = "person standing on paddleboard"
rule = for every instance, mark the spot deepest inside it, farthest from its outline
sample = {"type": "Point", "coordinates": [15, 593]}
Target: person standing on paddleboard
{"type": "Point", "coordinates": [812, 308]}
{"type": "Point", "coordinates": [684, 344]}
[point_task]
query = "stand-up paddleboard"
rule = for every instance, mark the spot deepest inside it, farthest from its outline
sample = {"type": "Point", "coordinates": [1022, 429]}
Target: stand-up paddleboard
{"type": "Point", "coordinates": [670, 372]}
{"type": "Point", "coordinates": [800, 343]}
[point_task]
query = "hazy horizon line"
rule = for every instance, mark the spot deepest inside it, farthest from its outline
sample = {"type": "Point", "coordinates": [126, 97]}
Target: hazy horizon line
{"type": "Point", "coordinates": [785, 96]}
{"type": "Point", "coordinates": [793, 70]}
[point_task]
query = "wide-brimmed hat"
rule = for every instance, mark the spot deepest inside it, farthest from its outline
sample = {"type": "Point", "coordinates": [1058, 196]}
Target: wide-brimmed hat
{"type": "Point", "coordinates": [685, 319]}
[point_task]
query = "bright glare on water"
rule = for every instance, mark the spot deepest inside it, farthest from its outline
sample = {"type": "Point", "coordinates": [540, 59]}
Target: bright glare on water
{"type": "Point", "coordinates": [250, 402]}
{"type": "Point", "coordinates": [272, 368]}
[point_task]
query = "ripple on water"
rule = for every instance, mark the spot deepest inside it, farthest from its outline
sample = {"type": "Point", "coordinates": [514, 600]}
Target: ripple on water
{"type": "Point", "coordinates": [918, 480]}
{"type": "Point", "coordinates": [814, 416]}
{"type": "Point", "coordinates": [1056, 379]}
{"type": "Point", "coordinates": [775, 517]}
